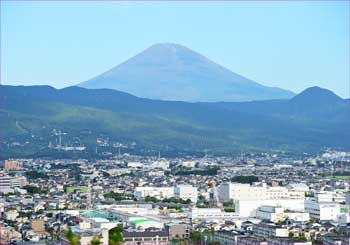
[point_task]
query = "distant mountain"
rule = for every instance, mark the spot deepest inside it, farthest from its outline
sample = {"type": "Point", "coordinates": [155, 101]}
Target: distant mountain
{"type": "Point", "coordinates": [317, 96]}
{"type": "Point", "coordinates": [313, 104]}
{"type": "Point", "coordinates": [32, 114]}
{"type": "Point", "coordinates": [174, 72]}
{"type": "Point", "coordinates": [320, 103]}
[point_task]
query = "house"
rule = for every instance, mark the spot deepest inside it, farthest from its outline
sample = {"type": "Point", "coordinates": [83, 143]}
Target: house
{"type": "Point", "coordinates": [146, 237]}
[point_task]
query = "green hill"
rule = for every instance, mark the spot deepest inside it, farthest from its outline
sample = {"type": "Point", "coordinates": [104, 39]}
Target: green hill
{"type": "Point", "coordinates": [31, 115]}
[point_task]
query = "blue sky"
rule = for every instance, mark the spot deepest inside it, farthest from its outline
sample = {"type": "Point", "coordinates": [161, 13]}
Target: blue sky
{"type": "Point", "coordinates": [292, 45]}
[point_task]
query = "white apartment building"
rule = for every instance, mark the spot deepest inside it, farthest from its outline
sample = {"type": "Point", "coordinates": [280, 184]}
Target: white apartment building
{"type": "Point", "coordinates": [186, 192]}
{"type": "Point", "coordinates": [157, 192]}
{"type": "Point", "coordinates": [8, 183]}
{"type": "Point", "coordinates": [135, 165]}
{"type": "Point", "coordinates": [275, 214]}
{"type": "Point", "coordinates": [270, 230]}
{"type": "Point", "coordinates": [298, 216]}
{"type": "Point", "coordinates": [162, 164]}
{"type": "Point", "coordinates": [11, 215]}
{"type": "Point", "coordinates": [298, 187]}
{"type": "Point", "coordinates": [322, 206]}
{"type": "Point", "coordinates": [188, 164]}
{"type": "Point", "coordinates": [119, 171]}
{"type": "Point", "coordinates": [236, 191]}
{"type": "Point", "coordinates": [343, 218]}
{"type": "Point", "coordinates": [249, 208]}
{"type": "Point", "coordinates": [248, 198]}
{"type": "Point", "coordinates": [271, 213]}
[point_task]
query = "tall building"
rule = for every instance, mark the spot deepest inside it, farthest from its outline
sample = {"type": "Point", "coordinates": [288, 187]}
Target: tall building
{"type": "Point", "coordinates": [248, 198]}
{"type": "Point", "coordinates": [12, 165]}
{"type": "Point", "coordinates": [236, 191]}
{"type": "Point", "coordinates": [186, 192]}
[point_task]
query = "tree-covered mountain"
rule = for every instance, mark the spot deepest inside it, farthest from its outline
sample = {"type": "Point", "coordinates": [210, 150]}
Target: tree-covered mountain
{"type": "Point", "coordinates": [313, 119]}
{"type": "Point", "coordinates": [169, 71]}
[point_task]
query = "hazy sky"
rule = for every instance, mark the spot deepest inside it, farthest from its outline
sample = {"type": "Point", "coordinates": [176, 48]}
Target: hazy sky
{"type": "Point", "coordinates": [291, 45]}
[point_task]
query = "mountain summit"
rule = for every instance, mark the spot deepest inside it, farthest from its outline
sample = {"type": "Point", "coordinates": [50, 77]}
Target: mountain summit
{"type": "Point", "coordinates": [169, 71]}
{"type": "Point", "coordinates": [318, 102]}
{"type": "Point", "coordinates": [317, 96]}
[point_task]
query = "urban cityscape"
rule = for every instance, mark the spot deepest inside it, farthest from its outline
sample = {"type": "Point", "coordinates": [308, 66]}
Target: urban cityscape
{"type": "Point", "coordinates": [250, 199]}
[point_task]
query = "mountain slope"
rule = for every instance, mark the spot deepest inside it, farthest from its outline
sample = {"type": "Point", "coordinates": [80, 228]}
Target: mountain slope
{"type": "Point", "coordinates": [33, 113]}
{"type": "Point", "coordinates": [320, 103]}
{"type": "Point", "coordinates": [174, 72]}
{"type": "Point", "coordinates": [314, 104]}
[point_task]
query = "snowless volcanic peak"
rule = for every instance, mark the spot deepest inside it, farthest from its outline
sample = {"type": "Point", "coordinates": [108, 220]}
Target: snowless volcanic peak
{"type": "Point", "coordinates": [169, 71]}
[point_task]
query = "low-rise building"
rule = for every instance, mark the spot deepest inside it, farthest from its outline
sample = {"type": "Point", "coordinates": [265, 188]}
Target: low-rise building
{"type": "Point", "coordinates": [157, 192]}
{"type": "Point", "coordinates": [12, 165]}
{"type": "Point", "coordinates": [322, 207]}
{"type": "Point", "coordinates": [336, 239]}
{"type": "Point", "coordinates": [249, 208]}
{"type": "Point", "coordinates": [11, 214]}
{"type": "Point", "coordinates": [287, 241]}
{"type": "Point", "coordinates": [276, 214]}
{"type": "Point", "coordinates": [178, 231]}
{"type": "Point", "coordinates": [9, 183]}
{"type": "Point", "coordinates": [236, 191]}
{"type": "Point", "coordinates": [146, 237]}
{"type": "Point", "coordinates": [210, 214]}
{"type": "Point", "coordinates": [140, 223]}
{"type": "Point", "coordinates": [249, 240]}
{"type": "Point", "coordinates": [269, 230]}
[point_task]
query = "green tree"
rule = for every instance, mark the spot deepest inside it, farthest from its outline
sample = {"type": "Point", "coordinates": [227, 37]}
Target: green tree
{"type": "Point", "coordinates": [95, 241]}
{"type": "Point", "coordinates": [34, 190]}
{"type": "Point", "coordinates": [245, 179]}
{"type": "Point", "coordinates": [35, 175]}
{"type": "Point", "coordinates": [181, 242]}
{"type": "Point", "coordinates": [151, 199]}
{"type": "Point", "coordinates": [313, 220]}
{"type": "Point", "coordinates": [73, 239]}
{"type": "Point", "coordinates": [196, 237]}
{"type": "Point", "coordinates": [118, 196]}
{"type": "Point", "coordinates": [302, 238]}
{"type": "Point", "coordinates": [69, 233]}
{"type": "Point", "coordinates": [116, 235]}
{"type": "Point", "coordinates": [227, 204]}
{"type": "Point", "coordinates": [229, 210]}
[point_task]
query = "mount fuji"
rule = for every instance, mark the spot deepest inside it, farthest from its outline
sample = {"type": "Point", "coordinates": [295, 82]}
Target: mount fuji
{"type": "Point", "coordinates": [169, 71]}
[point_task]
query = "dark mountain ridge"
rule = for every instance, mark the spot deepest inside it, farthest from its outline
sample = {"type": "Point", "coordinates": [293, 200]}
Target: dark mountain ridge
{"type": "Point", "coordinates": [223, 127]}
